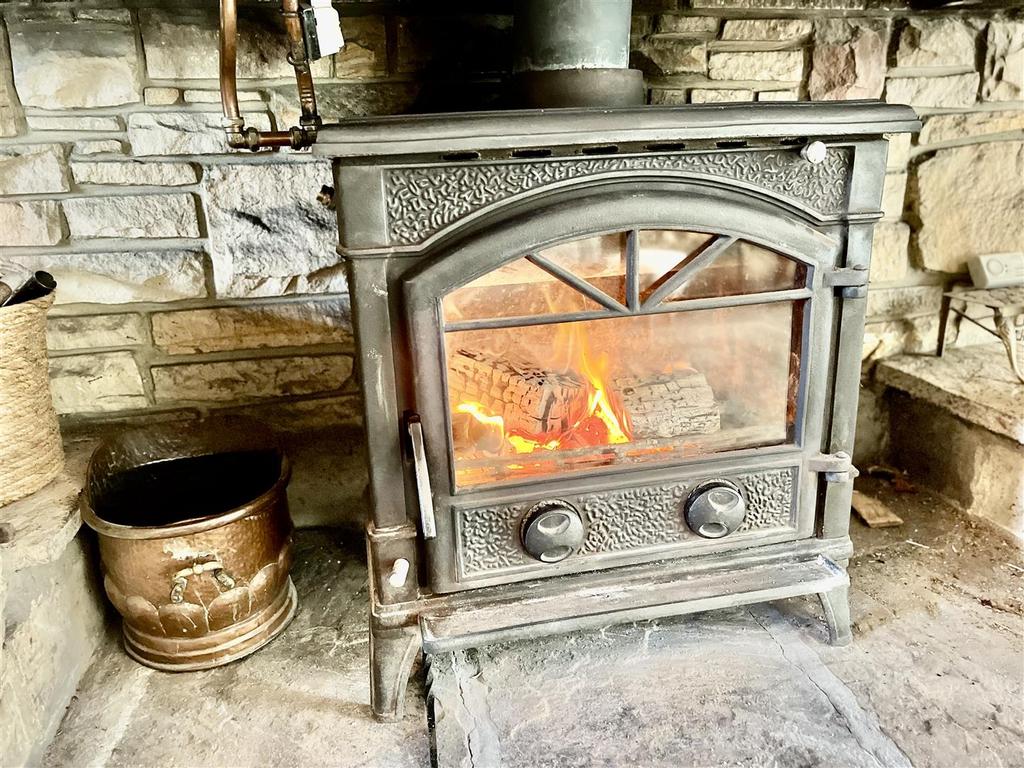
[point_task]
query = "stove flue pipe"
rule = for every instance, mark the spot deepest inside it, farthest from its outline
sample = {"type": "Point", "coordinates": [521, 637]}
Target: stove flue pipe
{"type": "Point", "coordinates": [574, 53]}
{"type": "Point", "coordinates": [240, 137]}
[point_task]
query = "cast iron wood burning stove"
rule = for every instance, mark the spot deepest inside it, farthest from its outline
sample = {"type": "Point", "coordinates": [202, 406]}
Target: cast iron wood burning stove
{"type": "Point", "coordinates": [610, 362]}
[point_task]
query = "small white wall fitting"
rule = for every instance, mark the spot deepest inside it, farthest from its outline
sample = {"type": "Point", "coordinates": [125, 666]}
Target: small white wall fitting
{"type": "Point", "coordinates": [328, 27]}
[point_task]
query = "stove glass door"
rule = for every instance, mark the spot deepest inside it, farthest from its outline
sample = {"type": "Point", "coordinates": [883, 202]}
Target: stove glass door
{"type": "Point", "coordinates": [622, 349]}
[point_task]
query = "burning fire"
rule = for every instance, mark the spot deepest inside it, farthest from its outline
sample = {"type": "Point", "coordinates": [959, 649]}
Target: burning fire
{"type": "Point", "coordinates": [602, 422]}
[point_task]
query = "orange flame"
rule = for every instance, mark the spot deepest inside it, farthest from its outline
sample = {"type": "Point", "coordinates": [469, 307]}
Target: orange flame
{"type": "Point", "coordinates": [599, 403]}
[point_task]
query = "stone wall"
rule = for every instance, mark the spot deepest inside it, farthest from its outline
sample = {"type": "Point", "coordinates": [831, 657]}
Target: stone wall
{"type": "Point", "coordinates": [194, 278]}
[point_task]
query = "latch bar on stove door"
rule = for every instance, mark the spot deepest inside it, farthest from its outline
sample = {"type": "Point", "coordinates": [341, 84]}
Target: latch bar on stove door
{"type": "Point", "coordinates": [850, 282]}
{"type": "Point", "coordinates": [837, 467]}
{"type": "Point", "coordinates": [419, 462]}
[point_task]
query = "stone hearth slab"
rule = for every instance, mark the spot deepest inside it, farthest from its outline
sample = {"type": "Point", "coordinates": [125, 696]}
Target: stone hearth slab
{"type": "Point", "coordinates": [51, 612]}
{"type": "Point", "coordinates": [973, 383]}
{"type": "Point", "coordinates": [36, 530]}
{"type": "Point", "coordinates": [956, 423]}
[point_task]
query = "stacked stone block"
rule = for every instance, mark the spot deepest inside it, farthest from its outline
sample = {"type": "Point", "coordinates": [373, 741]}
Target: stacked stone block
{"type": "Point", "coordinates": [194, 278]}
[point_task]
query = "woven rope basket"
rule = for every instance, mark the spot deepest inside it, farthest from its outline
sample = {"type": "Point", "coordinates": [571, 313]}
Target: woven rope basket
{"type": "Point", "coordinates": [31, 452]}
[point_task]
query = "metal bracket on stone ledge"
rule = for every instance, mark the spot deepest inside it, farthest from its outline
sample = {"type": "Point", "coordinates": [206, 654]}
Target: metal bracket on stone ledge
{"type": "Point", "coordinates": [837, 467]}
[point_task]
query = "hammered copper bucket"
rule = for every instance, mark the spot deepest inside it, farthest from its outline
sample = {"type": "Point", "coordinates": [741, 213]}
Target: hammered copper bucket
{"type": "Point", "coordinates": [195, 540]}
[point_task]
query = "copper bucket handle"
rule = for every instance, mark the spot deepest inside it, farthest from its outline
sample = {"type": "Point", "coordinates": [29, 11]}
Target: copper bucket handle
{"type": "Point", "coordinates": [179, 581]}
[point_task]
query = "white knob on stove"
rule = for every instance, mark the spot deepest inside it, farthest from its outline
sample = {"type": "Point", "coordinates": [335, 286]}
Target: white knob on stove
{"type": "Point", "coordinates": [815, 152]}
{"type": "Point", "coordinates": [399, 573]}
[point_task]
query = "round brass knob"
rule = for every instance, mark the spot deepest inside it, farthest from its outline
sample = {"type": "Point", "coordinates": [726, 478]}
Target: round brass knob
{"type": "Point", "coordinates": [552, 531]}
{"type": "Point", "coordinates": [715, 509]}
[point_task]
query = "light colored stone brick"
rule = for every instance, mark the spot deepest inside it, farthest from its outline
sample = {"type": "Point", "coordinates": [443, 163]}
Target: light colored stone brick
{"type": "Point", "coordinates": [766, 29]}
{"type": "Point", "coordinates": [131, 172]}
{"type": "Point", "coordinates": [96, 383]}
{"type": "Point", "coordinates": [899, 152]}
{"type": "Point", "coordinates": [893, 194]}
{"type": "Point", "coordinates": [690, 27]}
{"type": "Point", "coordinates": [181, 44]}
{"type": "Point", "coordinates": [789, 94]}
{"type": "Point", "coordinates": [365, 53]}
{"type": "Point", "coordinates": [896, 337]}
{"type": "Point", "coordinates": [971, 125]}
{"type": "Point", "coordinates": [940, 42]}
{"type": "Point", "coordinates": [56, 622]}
{"type": "Point", "coordinates": [161, 97]}
{"type": "Point", "coordinates": [183, 133]}
{"type": "Point", "coordinates": [97, 147]}
{"type": "Point", "coordinates": [1004, 61]}
{"type": "Point", "coordinates": [970, 200]}
{"type": "Point", "coordinates": [717, 95]}
{"type": "Point", "coordinates": [913, 301]}
{"type": "Point", "coordinates": [33, 169]}
{"type": "Point", "coordinates": [132, 216]}
{"type": "Point", "coordinates": [786, 66]}
{"type": "Point", "coordinates": [669, 56]}
{"type": "Point", "coordinates": [66, 66]}
{"type": "Point", "coordinates": [949, 91]}
{"type": "Point", "coordinates": [268, 233]}
{"type": "Point", "coordinates": [238, 380]}
{"type": "Point", "coordinates": [94, 331]}
{"type": "Point", "coordinates": [74, 123]}
{"type": "Point", "coordinates": [35, 222]}
{"type": "Point", "coordinates": [890, 257]}
{"type": "Point", "coordinates": [12, 117]}
{"type": "Point", "coordinates": [254, 327]}
{"type": "Point", "coordinates": [848, 60]}
{"type": "Point", "coordinates": [201, 96]}
{"type": "Point", "coordinates": [120, 278]}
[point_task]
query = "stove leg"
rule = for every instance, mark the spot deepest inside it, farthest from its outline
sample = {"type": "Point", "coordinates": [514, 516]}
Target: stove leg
{"type": "Point", "coordinates": [836, 604]}
{"type": "Point", "coordinates": [392, 653]}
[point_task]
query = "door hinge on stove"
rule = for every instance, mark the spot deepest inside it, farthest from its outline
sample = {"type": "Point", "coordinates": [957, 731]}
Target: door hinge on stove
{"type": "Point", "coordinates": [837, 467]}
{"type": "Point", "coordinates": [419, 463]}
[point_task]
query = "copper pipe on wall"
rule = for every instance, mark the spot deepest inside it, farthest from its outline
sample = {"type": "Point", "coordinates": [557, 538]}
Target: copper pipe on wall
{"type": "Point", "coordinates": [310, 120]}
{"type": "Point", "coordinates": [240, 137]}
{"type": "Point", "coordinates": [228, 59]}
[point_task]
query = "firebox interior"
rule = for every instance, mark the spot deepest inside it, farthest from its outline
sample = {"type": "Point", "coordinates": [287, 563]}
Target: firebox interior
{"type": "Point", "coordinates": [597, 352]}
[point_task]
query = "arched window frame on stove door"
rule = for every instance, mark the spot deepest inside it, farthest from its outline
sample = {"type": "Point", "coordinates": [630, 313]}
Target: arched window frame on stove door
{"type": "Point", "coordinates": [658, 205]}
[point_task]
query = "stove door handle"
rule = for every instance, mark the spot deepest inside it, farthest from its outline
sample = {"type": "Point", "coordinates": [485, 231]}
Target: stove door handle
{"type": "Point", "coordinates": [419, 463]}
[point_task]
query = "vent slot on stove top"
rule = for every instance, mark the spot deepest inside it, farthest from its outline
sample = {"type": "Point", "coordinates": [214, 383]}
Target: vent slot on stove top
{"type": "Point", "coordinates": [531, 154]}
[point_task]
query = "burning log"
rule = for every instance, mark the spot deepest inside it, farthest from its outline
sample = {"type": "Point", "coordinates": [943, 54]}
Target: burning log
{"type": "Point", "coordinates": [531, 401]}
{"type": "Point", "coordinates": [669, 405]}
{"type": "Point", "coordinates": [495, 398]}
